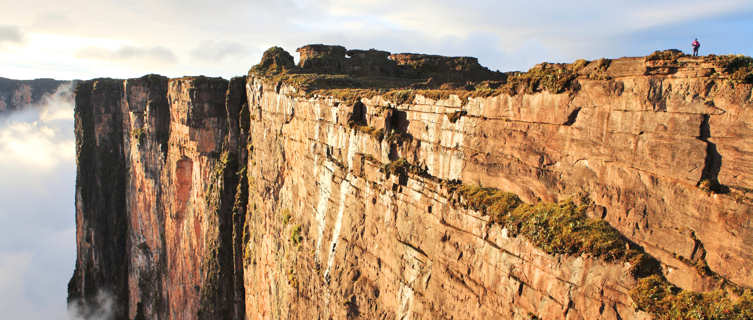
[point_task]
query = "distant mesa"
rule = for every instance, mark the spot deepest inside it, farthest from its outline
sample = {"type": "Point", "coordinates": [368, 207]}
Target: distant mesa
{"type": "Point", "coordinates": [17, 94]}
{"type": "Point", "coordinates": [334, 59]}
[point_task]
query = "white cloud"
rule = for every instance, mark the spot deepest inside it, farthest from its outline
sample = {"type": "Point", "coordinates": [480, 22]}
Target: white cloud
{"type": "Point", "coordinates": [660, 13]}
{"type": "Point", "coordinates": [158, 54]}
{"type": "Point", "coordinates": [226, 38]}
{"type": "Point", "coordinates": [10, 34]}
{"type": "Point", "coordinates": [218, 50]}
{"type": "Point", "coordinates": [39, 139]}
{"type": "Point", "coordinates": [37, 247]}
{"type": "Point", "coordinates": [102, 311]}
{"type": "Point", "coordinates": [196, 35]}
{"type": "Point", "coordinates": [12, 266]}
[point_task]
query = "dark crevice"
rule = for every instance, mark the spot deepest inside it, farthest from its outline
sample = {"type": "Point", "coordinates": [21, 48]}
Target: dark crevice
{"type": "Point", "coordinates": [358, 116]}
{"type": "Point", "coordinates": [572, 117]}
{"type": "Point", "coordinates": [392, 155]}
{"type": "Point", "coordinates": [713, 163]}
{"type": "Point", "coordinates": [415, 248]}
{"type": "Point", "coordinates": [396, 120]}
{"type": "Point", "coordinates": [616, 312]}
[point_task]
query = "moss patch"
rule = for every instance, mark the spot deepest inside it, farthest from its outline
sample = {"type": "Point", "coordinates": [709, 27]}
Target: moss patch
{"type": "Point", "coordinates": [286, 216]}
{"type": "Point", "coordinates": [295, 235]}
{"type": "Point", "coordinates": [556, 228]}
{"type": "Point", "coordinates": [551, 77]}
{"type": "Point", "coordinates": [740, 69]}
{"type": "Point", "coordinates": [669, 54]}
{"type": "Point", "coordinates": [656, 295]}
{"type": "Point", "coordinates": [402, 167]}
{"type": "Point", "coordinates": [377, 134]}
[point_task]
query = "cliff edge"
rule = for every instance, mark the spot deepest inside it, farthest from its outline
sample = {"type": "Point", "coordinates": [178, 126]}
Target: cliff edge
{"type": "Point", "coordinates": [365, 184]}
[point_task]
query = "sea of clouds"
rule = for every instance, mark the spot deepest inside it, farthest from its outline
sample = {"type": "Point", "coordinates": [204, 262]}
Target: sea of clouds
{"type": "Point", "coordinates": [37, 219]}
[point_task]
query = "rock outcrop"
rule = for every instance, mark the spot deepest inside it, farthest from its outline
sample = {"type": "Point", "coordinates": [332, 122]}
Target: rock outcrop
{"type": "Point", "coordinates": [17, 94]}
{"type": "Point", "coordinates": [364, 184]}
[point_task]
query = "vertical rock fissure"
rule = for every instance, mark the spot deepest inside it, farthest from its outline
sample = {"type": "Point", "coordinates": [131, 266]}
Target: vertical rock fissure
{"type": "Point", "coordinates": [239, 123]}
{"type": "Point", "coordinates": [222, 291]}
{"type": "Point", "coordinates": [713, 161]}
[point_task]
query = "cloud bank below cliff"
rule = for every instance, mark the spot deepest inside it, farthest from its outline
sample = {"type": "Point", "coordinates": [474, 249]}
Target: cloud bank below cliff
{"type": "Point", "coordinates": [128, 39]}
{"type": "Point", "coordinates": [37, 249]}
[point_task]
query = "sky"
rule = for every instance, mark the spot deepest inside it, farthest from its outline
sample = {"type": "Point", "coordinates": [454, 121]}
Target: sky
{"type": "Point", "coordinates": [85, 39]}
{"type": "Point", "coordinates": [79, 39]}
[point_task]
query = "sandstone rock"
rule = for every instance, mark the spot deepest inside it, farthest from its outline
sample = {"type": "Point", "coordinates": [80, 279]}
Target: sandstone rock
{"type": "Point", "coordinates": [251, 199]}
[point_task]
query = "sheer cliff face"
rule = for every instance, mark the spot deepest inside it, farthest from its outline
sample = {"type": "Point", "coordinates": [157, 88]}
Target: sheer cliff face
{"type": "Point", "coordinates": [155, 191]}
{"type": "Point", "coordinates": [205, 198]}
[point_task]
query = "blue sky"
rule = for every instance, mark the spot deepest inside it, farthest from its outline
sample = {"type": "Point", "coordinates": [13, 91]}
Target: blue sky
{"type": "Point", "coordinates": [83, 39]}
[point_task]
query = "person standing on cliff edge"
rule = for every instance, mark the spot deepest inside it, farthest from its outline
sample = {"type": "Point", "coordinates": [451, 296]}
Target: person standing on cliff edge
{"type": "Point", "coordinates": [695, 45]}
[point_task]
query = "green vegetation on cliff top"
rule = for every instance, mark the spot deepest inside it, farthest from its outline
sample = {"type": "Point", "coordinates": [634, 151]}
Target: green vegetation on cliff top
{"type": "Point", "coordinates": [277, 67]}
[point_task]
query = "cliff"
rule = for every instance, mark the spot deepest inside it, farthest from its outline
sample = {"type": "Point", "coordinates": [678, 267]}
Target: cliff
{"type": "Point", "coordinates": [17, 94]}
{"type": "Point", "coordinates": [364, 184]}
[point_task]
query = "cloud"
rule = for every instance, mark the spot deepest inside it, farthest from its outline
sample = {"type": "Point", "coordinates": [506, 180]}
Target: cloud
{"type": "Point", "coordinates": [102, 309]}
{"type": "Point", "coordinates": [37, 249]}
{"type": "Point", "coordinates": [218, 50]}
{"type": "Point", "coordinates": [157, 54]}
{"type": "Point", "coordinates": [516, 34]}
{"type": "Point", "coordinates": [39, 139]}
{"type": "Point", "coordinates": [11, 34]}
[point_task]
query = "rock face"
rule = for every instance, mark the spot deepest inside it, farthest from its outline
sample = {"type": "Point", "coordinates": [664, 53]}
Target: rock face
{"type": "Point", "coordinates": [155, 195]}
{"type": "Point", "coordinates": [202, 198]}
{"type": "Point", "coordinates": [16, 94]}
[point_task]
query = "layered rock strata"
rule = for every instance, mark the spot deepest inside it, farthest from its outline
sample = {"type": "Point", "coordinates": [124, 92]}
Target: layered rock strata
{"type": "Point", "coordinates": [260, 198]}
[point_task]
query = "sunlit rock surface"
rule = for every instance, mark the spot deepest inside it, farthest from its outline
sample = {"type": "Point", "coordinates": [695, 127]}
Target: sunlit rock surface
{"type": "Point", "coordinates": [266, 196]}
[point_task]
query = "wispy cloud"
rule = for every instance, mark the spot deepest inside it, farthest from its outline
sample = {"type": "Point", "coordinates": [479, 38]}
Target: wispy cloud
{"type": "Point", "coordinates": [157, 53]}
{"type": "Point", "coordinates": [38, 138]}
{"type": "Point", "coordinates": [101, 310]}
{"type": "Point", "coordinates": [218, 50]}
{"type": "Point", "coordinates": [197, 35]}
{"type": "Point", "coordinates": [10, 34]}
